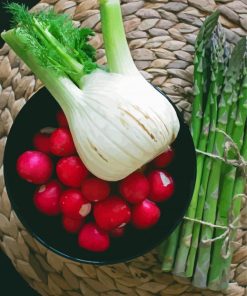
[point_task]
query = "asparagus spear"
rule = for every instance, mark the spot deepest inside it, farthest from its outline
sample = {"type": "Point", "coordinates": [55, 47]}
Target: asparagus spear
{"type": "Point", "coordinates": [187, 227]}
{"type": "Point", "coordinates": [219, 63]}
{"type": "Point", "coordinates": [232, 76]}
{"type": "Point", "coordinates": [201, 66]}
{"type": "Point", "coordinates": [169, 251]}
{"type": "Point", "coordinates": [200, 73]}
{"type": "Point", "coordinates": [227, 193]}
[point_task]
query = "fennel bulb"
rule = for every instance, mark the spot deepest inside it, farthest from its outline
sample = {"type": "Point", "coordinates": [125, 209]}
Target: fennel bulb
{"type": "Point", "coordinates": [117, 119]}
{"type": "Point", "coordinates": [122, 128]}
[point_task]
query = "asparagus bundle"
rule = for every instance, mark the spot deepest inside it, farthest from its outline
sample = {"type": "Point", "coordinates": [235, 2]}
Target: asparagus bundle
{"type": "Point", "coordinates": [211, 199]}
{"type": "Point", "coordinates": [185, 252]}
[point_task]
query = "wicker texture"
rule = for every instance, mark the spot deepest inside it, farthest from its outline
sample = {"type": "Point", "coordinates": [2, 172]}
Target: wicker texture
{"type": "Point", "coordinates": [161, 35]}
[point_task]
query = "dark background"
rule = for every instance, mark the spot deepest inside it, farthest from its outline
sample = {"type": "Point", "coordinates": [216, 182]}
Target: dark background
{"type": "Point", "coordinates": [5, 17]}
{"type": "Point", "coordinates": [11, 283]}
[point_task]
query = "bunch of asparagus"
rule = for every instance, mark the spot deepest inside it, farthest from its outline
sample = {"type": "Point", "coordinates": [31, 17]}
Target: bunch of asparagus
{"type": "Point", "coordinates": [219, 109]}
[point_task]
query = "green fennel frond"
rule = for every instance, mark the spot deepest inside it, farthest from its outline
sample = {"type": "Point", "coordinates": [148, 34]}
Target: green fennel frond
{"type": "Point", "coordinates": [73, 41]}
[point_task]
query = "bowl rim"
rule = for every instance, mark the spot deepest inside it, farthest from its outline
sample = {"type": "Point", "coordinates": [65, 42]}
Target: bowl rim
{"type": "Point", "coordinates": [123, 259]}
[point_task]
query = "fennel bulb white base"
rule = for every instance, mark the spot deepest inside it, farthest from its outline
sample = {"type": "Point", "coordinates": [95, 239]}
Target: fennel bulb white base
{"type": "Point", "coordinates": [119, 123]}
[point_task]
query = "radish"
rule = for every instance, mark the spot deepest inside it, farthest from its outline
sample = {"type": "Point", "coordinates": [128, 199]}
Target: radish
{"type": "Point", "coordinates": [35, 167]}
{"type": "Point", "coordinates": [61, 119]}
{"type": "Point", "coordinates": [46, 198]}
{"type": "Point", "coordinates": [92, 238]}
{"type": "Point", "coordinates": [94, 189]}
{"type": "Point", "coordinates": [117, 232]}
{"type": "Point", "coordinates": [145, 214]}
{"type": "Point", "coordinates": [41, 142]}
{"type": "Point", "coordinates": [161, 184]}
{"type": "Point", "coordinates": [111, 213]}
{"type": "Point", "coordinates": [135, 188]}
{"type": "Point", "coordinates": [164, 159]}
{"type": "Point", "coordinates": [61, 142]}
{"type": "Point", "coordinates": [71, 171]}
{"type": "Point", "coordinates": [74, 205]}
{"type": "Point", "coordinates": [72, 225]}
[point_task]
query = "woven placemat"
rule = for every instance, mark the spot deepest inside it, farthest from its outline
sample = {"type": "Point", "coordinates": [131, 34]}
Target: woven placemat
{"type": "Point", "coordinates": [161, 36]}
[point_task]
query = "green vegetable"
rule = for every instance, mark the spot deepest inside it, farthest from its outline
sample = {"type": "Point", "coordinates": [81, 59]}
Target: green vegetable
{"type": "Point", "coordinates": [54, 42]}
{"type": "Point", "coordinates": [212, 195]}
{"type": "Point", "coordinates": [201, 69]}
{"type": "Point", "coordinates": [117, 50]}
{"type": "Point", "coordinates": [203, 121]}
{"type": "Point", "coordinates": [118, 120]}
{"type": "Point", "coordinates": [218, 63]}
{"type": "Point", "coordinates": [228, 182]}
{"type": "Point", "coordinates": [220, 110]}
{"type": "Point", "coordinates": [168, 250]}
{"type": "Point", "coordinates": [201, 78]}
{"type": "Point", "coordinates": [221, 282]}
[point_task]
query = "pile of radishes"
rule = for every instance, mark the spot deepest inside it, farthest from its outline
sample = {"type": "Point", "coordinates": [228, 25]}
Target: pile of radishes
{"type": "Point", "coordinates": [66, 187]}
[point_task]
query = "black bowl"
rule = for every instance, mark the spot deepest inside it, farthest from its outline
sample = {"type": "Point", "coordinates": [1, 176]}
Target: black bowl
{"type": "Point", "coordinates": [39, 112]}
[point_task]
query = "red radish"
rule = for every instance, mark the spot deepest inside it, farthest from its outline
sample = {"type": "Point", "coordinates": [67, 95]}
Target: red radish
{"type": "Point", "coordinates": [162, 186]}
{"type": "Point", "coordinates": [117, 232]}
{"type": "Point", "coordinates": [46, 198]}
{"type": "Point", "coordinates": [92, 238]}
{"type": "Point", "coordinates": [61, 119]}
{"type": "Point", "coordinates": [61, 142]}
{"type": "Point", "coordinates": [135, 188]}
{"type": "Point", "coordinates": [94, 189]}
{"type": "Point", "coordinates": [35, 167]}
{"type": "Point", "coordinates": [145, 214]}
{"type": "Point", "coordinates": [71, 171]}
{"type": "Point", "coordinates": [164, 159]}
{"type": "Point", "coordinates": [41, 142]}
{"type": "Point", "coordinates": [74, 205]}
{"type": "Point", "coordinates": [111, 213]}
{"type": "Point", "coordinates": [72, 225]}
